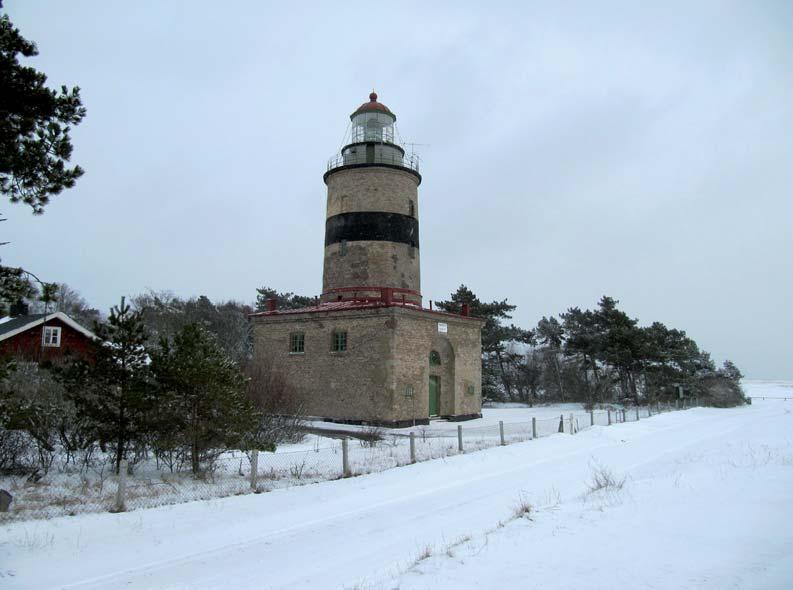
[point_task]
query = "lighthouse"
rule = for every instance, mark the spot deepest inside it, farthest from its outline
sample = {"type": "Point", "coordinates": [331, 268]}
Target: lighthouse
{"type": "Point", "coordinates": [372, 223]}
{"type": "Point", "coordinates": [370, 352]}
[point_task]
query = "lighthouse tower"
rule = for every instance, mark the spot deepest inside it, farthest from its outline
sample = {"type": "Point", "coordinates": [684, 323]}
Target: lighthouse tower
{"type": "Point", "coordinates": [370, 352]}
{"type": "Point", "coordinates": [372, 224]}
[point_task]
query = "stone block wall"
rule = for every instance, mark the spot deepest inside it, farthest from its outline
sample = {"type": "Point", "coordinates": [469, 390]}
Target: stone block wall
{"type": "Point", "coordinates": [383, 376]}
{"type": "Point", "coordinates": [369, 262]}
{"type": "Point", "coordinates": [372, 189]}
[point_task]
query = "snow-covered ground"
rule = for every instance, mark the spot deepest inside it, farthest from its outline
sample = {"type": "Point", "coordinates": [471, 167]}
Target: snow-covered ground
{"type": "Point", "coordinates": [316, 458]}
{"type": "Point", "coordinates": [705, 504]}
{"type": "Point", "coordinates": [509, 413]}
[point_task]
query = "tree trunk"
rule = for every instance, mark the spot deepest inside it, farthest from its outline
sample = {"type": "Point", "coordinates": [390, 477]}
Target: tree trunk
{"type": "Point", "coordinates": [504, 377]}
{"type": "Point", "coordinates": [558, 374]}
{"type": "Point", "coordinates": [121, 442]}
{"type": "Point", "coordinates": [194, 443]}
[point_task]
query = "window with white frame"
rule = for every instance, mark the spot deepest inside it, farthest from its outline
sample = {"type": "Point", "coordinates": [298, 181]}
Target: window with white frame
{"type": "Point", "coordinates": [52, 336]}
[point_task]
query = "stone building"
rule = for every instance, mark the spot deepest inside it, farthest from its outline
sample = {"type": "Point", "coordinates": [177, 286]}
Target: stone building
{"type": "Point", "coordinates": [369, 352]}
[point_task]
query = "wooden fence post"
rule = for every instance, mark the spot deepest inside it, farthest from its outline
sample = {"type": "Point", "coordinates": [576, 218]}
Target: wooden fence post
{"type": "Point", "coordinates": [460, 438]}
{"type": "Point", "coordinates": [121, 490]}
{"type": "Point", "coordinates": [254, 468]}
{"type": "Point", "coordinates": [609, 413]}
{"type": "Point", "coordinates": [533, 427]}
{"type": "Point", "coordinates": [637, 413]}
{"type": "Point", "coordinates": [345, 458]}
{"type": "Point", "coordinates": [591, 417]}
{"type": "Point", "coordinates": [561, 423]}
{"type": "Point", "coordinates": [501, 432]}
{"type": "Point", "coordinates": [412, 447]}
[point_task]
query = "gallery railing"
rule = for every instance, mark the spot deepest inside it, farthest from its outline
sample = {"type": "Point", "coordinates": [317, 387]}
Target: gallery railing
{"type": "Point", "coordinates": [409, 161]}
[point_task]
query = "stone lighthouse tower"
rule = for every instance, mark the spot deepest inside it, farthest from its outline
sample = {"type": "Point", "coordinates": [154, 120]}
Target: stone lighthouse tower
{"type": "Point", "coordinates": [370, 352]}
{"type": "Point", "coordinates": [372, 225]}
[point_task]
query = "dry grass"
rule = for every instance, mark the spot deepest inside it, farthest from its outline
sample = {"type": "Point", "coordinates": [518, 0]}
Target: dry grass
{"type": "Point", "coordinates": [523, 508]}
{"type": "Point", "coordinates": [604, 479]}
{"type": "Point", "coordinates": [370, 436]}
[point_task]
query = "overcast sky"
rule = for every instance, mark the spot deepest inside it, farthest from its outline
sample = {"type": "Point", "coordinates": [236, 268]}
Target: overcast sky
{"type": "Point", "coordinates": [570, 150]}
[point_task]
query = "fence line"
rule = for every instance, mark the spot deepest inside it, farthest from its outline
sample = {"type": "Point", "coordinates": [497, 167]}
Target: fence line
{"type": "Point", "coordinates": [236, 472]}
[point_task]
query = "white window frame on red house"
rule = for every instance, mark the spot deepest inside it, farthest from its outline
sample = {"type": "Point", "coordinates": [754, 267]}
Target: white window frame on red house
{"type": "Point", "coordinates": [51, 336]}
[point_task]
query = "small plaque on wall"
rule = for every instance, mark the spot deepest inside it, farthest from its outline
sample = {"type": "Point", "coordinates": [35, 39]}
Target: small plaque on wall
{"type": "Point", "coordinates": [442, 328]}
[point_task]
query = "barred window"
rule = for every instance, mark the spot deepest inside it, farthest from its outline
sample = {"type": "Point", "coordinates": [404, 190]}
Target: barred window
{"type": "Point", "coordinates": [409, 391]}
{"type": "Point", "coordinates": [339, 342]}
{"type": "Point", "coordinates": [297, 343]}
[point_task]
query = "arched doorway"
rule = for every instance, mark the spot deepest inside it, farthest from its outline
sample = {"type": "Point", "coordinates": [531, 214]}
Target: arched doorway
{"type": "Point", "coordinates": [440, 359]}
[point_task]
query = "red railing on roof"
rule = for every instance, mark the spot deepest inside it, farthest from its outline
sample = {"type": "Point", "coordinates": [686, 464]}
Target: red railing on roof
{"type": "Point", "coordinates": [387, 295]}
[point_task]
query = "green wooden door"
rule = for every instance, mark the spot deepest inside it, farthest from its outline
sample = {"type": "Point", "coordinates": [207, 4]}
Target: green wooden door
{"type": "Point", "coordinates": [435, 395]}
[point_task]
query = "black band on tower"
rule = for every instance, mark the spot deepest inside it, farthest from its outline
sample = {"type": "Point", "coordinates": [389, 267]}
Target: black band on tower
{"type": "Point", "coordinates": [374, 226]}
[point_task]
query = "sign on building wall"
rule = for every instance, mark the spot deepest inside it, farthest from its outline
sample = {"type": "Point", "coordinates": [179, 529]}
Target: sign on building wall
{"type": "Point", "coordinates": [442, 328]}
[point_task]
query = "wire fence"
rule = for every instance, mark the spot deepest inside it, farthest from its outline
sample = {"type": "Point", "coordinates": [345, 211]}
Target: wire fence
{"type": "Point", "coordinates": [149, 484]}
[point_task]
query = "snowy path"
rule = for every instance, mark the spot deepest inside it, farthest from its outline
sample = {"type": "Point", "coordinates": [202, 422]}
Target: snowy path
{"type": "Point", "coordinates": [368, 530]}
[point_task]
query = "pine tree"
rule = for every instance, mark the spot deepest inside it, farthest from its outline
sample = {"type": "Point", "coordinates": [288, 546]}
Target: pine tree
{"type": "Point", "coordinates": [622, 344]}
{"type": "Point", "coordinates": [14, 287]}
{"type": "Point", "coordinates": [202, 393]}
{"type": "Point", "coordinates": [550, 333]}
{"type": "Point", "coordinates": [114, 390]}
{"type": "Point", "coordinates": [497, 361]}
{"type": "Point", "coordinates": [286, 300]}
{"type": "Point", "coordinates": [584, 343]}
{"type": "Point", "coordinates": [34, 126]}
{"type": "Point", "coordinates": [731, 371]}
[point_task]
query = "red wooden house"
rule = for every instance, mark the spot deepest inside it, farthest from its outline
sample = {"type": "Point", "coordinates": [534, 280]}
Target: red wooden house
{"type": "Point", "coordinates": [39, 337]}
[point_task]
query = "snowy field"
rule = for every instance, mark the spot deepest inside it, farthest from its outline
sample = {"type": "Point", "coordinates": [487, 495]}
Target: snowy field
{"type": "Point", "coordinates": [67, 492]}
{"type": "Point", "coordinates": [697, 499]}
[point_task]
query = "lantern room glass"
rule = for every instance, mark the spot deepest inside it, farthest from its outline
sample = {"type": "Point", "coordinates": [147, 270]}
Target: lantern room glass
{"type": "Point", "coordinates": [373, 127]}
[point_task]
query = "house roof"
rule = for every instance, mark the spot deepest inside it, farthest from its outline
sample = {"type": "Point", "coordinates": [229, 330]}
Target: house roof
{"type": "Point", "coordinates": [17, 325]}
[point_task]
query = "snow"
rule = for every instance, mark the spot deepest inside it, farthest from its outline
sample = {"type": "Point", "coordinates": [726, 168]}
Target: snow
{"type": "Point", "coordinates": [705, 504]}
{"type": "Point", "coordinates": [509, 413]}
{"type": "Point", "coordinates": [67, 491]}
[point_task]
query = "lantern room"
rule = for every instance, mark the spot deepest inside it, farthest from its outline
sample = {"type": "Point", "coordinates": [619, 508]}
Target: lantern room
{"type": "Point", "coordinates": [372, 121]}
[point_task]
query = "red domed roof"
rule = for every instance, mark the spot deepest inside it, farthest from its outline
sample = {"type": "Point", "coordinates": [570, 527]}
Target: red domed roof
{"type": "Point", "coordinates": [373, 105]}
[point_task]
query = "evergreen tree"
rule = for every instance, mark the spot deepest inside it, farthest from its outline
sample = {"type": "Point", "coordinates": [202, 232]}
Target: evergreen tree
{"type": "Point", "coordinates": [497, 360]}
{"type": "Point", "coordinates": [550, 334]}
{"type": "Point", "coordinates": [283, 300]}
{"type": "Point", "coordinates": [34, 126]}
{"type": "Point", "coordinates": [584, 342]}
{"type": "Point", "coordinates": [14, 288]}
{"type": "Point", "coordinates": [202, 394]}
{"type": "Point", "coordinates": [48, 296]}
{"type": "Point", "coordinates": [622, 344]}
{"type": "Point", "coordinates": [730, 371]}
{"type": "Point", "coordinates": [114, 389]}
